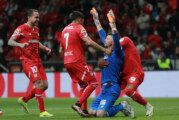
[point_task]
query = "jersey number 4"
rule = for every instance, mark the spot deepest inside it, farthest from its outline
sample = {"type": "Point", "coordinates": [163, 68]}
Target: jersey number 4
{"type": "Point", "coordinates": [66, 36]}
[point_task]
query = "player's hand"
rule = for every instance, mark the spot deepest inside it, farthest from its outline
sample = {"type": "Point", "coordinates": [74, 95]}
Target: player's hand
{"type": "Point", "coordinates": [48, 50]}
{"type": "Point", "coordinates": [111, 16]}
{"type": "Point", "coordinates": [108, 51]}
{"type": "Point", "coordinates": [102, 63]}
{"type": "Point", "coordinates": [95, 14]}
{"type": "Point", "coordinates": [24, 45]}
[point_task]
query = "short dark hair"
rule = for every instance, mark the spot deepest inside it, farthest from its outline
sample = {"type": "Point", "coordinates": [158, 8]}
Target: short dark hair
{"type": "Point", "coordinates": [76, 14]}
{"type": "Point", "coordinates": [31, 11]}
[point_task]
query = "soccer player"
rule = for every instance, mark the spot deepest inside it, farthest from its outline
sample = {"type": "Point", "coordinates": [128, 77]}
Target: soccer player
{"type": "Point", "coordinates": [73, 39]}
{"type": "Point", "coordinates": [132, 74]}
{"type": "Point", "coordinates": [1, 112]}
{"type": "Point", "coordinates": [26, 37]}
{"type": "Point", "coordinates": [103, 105]}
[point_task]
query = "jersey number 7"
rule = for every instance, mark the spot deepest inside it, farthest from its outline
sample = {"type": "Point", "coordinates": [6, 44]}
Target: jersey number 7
{"type": "Point", "coordinates": [66, 36]}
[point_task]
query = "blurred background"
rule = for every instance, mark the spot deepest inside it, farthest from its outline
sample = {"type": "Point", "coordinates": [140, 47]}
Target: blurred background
{"type": "Point", "coordinates": [153, 25]}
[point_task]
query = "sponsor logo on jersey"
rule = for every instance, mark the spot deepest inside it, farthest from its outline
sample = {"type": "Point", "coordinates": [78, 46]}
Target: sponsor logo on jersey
{"type": "Point", "coordinates": [83, 31]}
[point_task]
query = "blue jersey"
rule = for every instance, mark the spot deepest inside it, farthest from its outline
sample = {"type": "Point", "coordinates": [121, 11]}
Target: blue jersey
{"type": "Point", "coordinates": [111, 73]}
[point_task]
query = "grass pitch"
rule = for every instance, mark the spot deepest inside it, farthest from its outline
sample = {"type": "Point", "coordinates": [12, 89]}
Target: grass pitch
{"type": "Point", "coordinates": [164, 109]}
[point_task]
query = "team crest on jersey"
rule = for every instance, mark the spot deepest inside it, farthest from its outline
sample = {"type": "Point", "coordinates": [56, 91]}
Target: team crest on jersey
{"type": "Point", "coordinates": [83, 31]}
{"type": "Point", "coordinates": [17, 32]}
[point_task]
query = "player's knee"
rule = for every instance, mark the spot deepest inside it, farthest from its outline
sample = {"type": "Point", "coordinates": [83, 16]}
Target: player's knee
{"type": "Point", "coordinates": [92, 112]}
{"type": "Point", "coordinates": [45, 87]}
{"type": "Point", "coordinates": [129, 92]}
{"type": "Point", "coordinates": [101, 113]}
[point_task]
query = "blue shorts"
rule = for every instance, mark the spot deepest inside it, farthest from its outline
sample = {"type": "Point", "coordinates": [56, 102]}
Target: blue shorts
{"type": "Point", "coordinates": [109, 94]}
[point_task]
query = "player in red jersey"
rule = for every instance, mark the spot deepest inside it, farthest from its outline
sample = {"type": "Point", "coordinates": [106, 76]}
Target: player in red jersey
{"type": "Point", "coordinates": [132, 74]}
{"type": "Point", "coordinates": [73, 39]}
{"type": "Point", "coordinates": [26, 37]}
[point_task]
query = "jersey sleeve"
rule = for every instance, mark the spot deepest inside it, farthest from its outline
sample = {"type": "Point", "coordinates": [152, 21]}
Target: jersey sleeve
{"type": "Point", "coordinates": [102, 35]}
{"type": "Point", "coordinates": [117, 46]}
{"type": "Point", "coordinates": [18, 33]}
{"type": "Point", "coordinates": [82, 32]}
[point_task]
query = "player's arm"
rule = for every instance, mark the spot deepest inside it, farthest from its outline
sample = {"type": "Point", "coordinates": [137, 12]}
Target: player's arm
{"type": "Point", "coordinates": [61, 51]}
{"type": "Point", "coordinates": [44, 48]}
{"type": "Point", "coordinates": [101, 31]}
{"type": "Point", "coordinates": [90, 42]}
{"type": "Point", "coordinates": [111, 18]}
{"type": "Point", "coordinates": [12, 42]}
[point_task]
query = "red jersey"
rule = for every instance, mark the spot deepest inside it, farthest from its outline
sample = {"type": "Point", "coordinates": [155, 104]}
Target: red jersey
{"type": "Point", "coordinates": [72, 43]}
{"type": "Point", "coordinates": [25, 34]}
{"type": "Point", "coordinates": [132, 62]}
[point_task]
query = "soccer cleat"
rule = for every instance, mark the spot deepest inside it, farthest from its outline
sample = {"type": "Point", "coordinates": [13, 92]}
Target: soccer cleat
{"type": "Point", "coordinates": [128, 110]}
{"type": "Point", "coordinates": [149, 110]}
{"type": "Point", "coordinates": [1, 112]}
{"type": "Point", "coordinates": [80, 111]}
{"type": "Point", "coordinates": [23, 105]}
{"type": "Point", "coordinates": [45, 114]}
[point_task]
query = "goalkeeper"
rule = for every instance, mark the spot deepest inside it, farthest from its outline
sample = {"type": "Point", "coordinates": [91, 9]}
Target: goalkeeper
{"type": "Point", "coordinates": [132, 74]}
{"type": "Point", "coordinates": [103, 105]}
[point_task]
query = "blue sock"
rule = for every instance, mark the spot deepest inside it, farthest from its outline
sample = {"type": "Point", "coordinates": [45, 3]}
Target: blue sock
{"type": "Point", "coordinates": [114, 110]}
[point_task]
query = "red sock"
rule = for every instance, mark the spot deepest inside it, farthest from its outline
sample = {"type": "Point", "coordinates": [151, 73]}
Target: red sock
{"type": "Point", "coordinates": [135, 96]}
{"type": "Point", "coordinates": [30, 95]}
{"type": "Point", "coordinates": [87, 92]}
{"type": "Point", "coordinates": [84, 105]}
{"type": "Point", "coordinates": [39, 98]}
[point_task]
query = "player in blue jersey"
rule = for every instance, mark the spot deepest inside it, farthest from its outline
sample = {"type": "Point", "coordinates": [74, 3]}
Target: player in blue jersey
{"type": "Point", "coordinates": [103, 105]}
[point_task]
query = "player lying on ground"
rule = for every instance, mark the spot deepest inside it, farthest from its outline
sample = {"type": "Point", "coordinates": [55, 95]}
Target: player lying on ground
{"type": "Point", "coordinates": [132, 74]}
{"type": "Point", "coordinates": [26, 37]}
{"type": "Point", "coordinates": [103, 104]}
{"type": "Point", "coordinates": [73, 39]}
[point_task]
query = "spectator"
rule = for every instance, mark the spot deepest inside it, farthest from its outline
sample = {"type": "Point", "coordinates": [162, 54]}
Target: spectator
{"type": "Point", "coordinates": [156, 54]}
{"type": "Point", "coordinates": [144, 23]}
{"type": "Point", "coordinates": [164, 63]}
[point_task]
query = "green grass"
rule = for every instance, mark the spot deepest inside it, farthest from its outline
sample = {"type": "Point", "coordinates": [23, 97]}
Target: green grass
{"type": "Point", "coordinates": [165, 109]}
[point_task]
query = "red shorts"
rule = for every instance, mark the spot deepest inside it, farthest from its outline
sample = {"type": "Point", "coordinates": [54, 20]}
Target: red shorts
{"type": "Point", "coordinates": [134, 79]}
{"type": "Point", "coordinates": [34, 71]}
{"type": "Point", "coordinates": [80, 72]}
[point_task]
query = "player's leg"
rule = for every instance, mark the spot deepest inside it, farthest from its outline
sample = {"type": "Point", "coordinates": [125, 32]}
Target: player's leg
{"type": "Point", "coordinates": [95, 104]}
{"type": "Point", "coordinates": [41, 85]}
{"type": "Point", "coordinates": [132, 84]}
{"type": "Point", "coordinates": [82, 88]}
{"type": "Point", "coordinates": [110, 95]}
{"type": "Point", "coordinates": [83, 98]}
{"type": "Point", "coordinates": [29, 70]}
{"type": "Point", "coordinates": [84, 73]}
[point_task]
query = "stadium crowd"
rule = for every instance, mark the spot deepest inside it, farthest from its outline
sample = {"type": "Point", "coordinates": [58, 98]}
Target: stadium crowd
{"type": "Point", "coordinates": [152, 25]}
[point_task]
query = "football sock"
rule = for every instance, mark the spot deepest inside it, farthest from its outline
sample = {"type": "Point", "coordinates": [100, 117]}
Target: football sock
{"type": "Point", "coordinates": [87, 92]}
{"type": "Point", "coordinates": [84, 105]}
{"type": "Point", "coordinates": [114, 110]}
{"type": "Point", "coordinates": [135, 96]}
{"type": "Point", "coordinates": [30, 95]}
{"type": "Point", "coordinates": [39, 99]}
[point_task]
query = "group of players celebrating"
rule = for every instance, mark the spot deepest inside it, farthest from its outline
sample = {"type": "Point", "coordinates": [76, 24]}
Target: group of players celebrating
{"type": "Point", "coordinates": [121, 66]}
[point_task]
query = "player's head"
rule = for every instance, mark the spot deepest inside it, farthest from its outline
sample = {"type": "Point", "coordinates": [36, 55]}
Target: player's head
{"type": "Point", "coordinates": [33, 16]}
{"type": "Point", "coordinates": [109, 40]}
{"type": "Point", "coordinates": [77, 17]}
